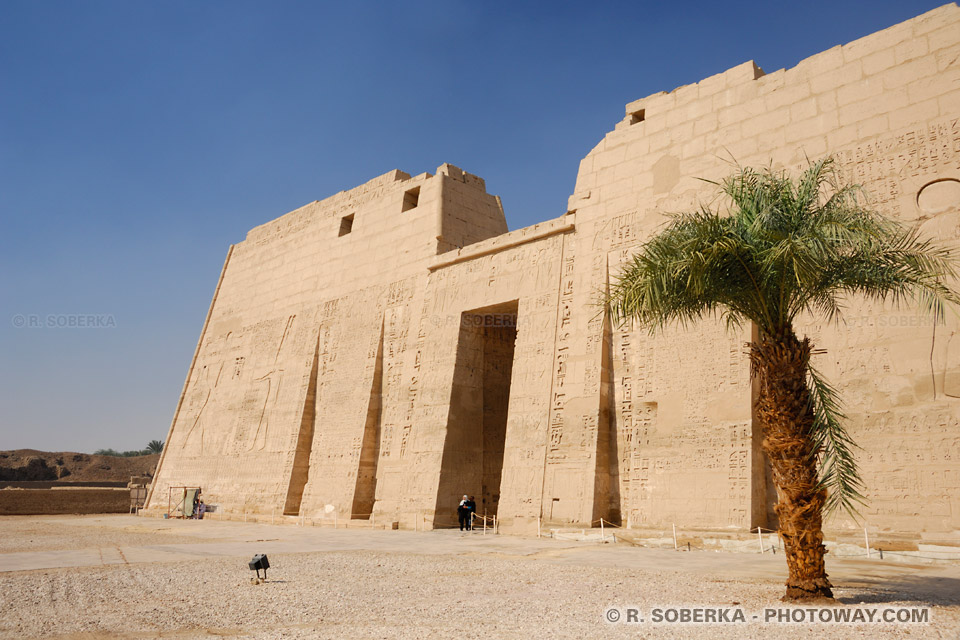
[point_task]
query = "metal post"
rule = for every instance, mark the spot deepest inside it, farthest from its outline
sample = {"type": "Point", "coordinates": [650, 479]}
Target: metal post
{"type": "Point", "coordinates": [538, 527]}
{"type": "Point", "coordinates": [866, 539]}
{"type": "Point", "coordinates": [675, 537]}
{"type": "Point", "coordinates": [760, 538]}
{"type": "Point", "coordinates": [603, 537]}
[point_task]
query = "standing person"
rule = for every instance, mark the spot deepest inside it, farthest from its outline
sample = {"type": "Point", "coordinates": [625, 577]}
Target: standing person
{"type": "Point", "coordinates": [471, 509]}
{"type": "Point", "coordinates": [463, 513]}
{"type": "Point", "coordinates": [196, 503]}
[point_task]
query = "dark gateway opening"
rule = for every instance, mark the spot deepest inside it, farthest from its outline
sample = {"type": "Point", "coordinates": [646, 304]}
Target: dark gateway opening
{"type": "Point", "coordinates": [477, 423]}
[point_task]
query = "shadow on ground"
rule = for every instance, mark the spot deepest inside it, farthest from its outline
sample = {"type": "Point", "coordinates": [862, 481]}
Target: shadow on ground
{"type": "Point", "coordinates": [920, 589]}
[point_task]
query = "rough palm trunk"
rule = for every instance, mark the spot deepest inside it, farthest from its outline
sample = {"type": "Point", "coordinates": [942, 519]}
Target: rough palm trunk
{"type": "Point", "coordinates": [779, 362]}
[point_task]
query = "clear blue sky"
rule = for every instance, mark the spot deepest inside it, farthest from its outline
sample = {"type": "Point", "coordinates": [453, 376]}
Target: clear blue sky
{"type": "Point", "coordinates": [138, 140]}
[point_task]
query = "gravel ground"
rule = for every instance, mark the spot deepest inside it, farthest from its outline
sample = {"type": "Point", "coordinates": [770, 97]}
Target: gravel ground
{"type": "Point", "coordinates": [407, 595]}
{"type": "Point", "coordinates": [32, 533]}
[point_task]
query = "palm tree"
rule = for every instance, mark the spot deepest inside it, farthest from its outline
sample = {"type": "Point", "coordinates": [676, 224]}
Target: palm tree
{"type": "Point", "coordinates": [783, 249]}
{"type": "Point", "coordinates": [155, 446]}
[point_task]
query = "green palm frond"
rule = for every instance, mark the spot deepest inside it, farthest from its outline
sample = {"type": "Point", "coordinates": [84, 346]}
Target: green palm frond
{"type": "Point", "coordinates": [834, 448]}
{"type": "Point", "coordinates": [785, 249]}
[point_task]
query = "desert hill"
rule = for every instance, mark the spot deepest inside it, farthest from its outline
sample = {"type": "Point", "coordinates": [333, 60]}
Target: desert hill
{"type": "Point", "coordinates": [69, 466]}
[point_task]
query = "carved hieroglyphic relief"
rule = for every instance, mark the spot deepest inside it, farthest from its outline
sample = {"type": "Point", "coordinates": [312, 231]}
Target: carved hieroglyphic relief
{"type": "Point", "coordinates": [900, 164]}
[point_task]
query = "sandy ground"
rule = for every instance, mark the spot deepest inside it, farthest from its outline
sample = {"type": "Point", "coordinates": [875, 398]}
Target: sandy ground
{"type": "Point", "coordinates": [139, 578]}
{"type": "Point", "coordinates": [24, 533]}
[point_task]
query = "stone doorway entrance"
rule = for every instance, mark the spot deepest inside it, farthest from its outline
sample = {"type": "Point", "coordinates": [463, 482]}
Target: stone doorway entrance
{"type": "Point", "coordinates": [477, 421]}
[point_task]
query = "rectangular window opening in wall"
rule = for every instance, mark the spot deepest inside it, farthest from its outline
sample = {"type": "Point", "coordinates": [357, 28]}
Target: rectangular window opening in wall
{"type": "Point", "coordinates": [410, 199]}
{"type": "Point", "coordinates": [346, 224]}
{"type": "Point", "coordinates": [636, 116]}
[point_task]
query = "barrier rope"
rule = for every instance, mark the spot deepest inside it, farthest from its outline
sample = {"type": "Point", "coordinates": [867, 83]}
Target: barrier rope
{"type": "Point", "coordinates": [606, 523]}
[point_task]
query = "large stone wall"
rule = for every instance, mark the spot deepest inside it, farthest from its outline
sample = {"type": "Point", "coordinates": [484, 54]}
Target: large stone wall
{"type": "Point", "coordinates": [308, 308]}
{"type": "Point", "coordinates": [390, 348]}
{"type": "Point", "coordinates": [887, 106]}
{"type": "Point", "coordinates": [31, 502]}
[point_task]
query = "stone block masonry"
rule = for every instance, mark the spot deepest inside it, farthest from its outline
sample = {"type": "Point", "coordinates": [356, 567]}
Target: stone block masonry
{"type": "Point", "coordinates": [379, 353]}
